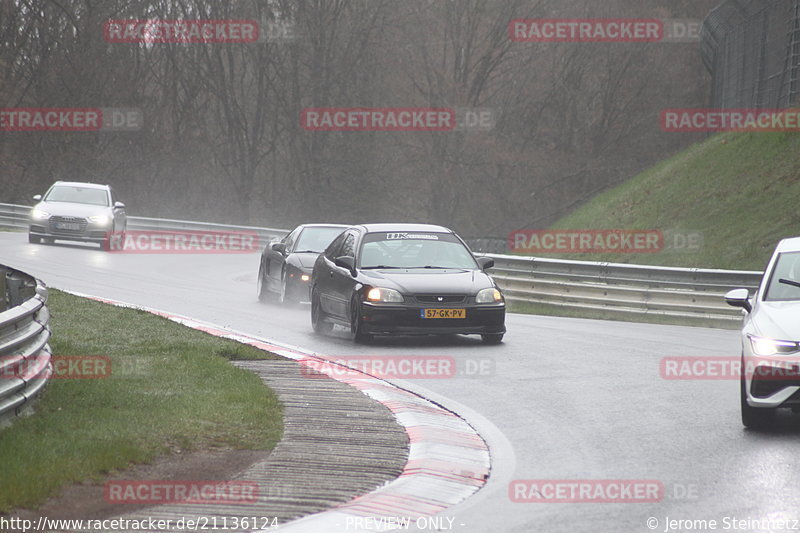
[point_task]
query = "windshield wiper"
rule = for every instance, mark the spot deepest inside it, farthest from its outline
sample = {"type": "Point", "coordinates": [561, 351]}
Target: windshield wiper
{"type": "Point", "coordinates": [790, 282]}
{"type": "Point", "coordinates": [379, 267]}
{"type": "Point", "coordinates": [306, 252]}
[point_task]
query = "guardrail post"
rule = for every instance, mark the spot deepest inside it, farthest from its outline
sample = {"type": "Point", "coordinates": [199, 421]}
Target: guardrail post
{"type": "Point", "coordinates": [14, 289]}
{"type": "Point", "coordinates": [3, 293]}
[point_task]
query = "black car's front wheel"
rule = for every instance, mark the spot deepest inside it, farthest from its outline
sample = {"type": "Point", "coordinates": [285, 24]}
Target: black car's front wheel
{"type": "Point", "coordinates": [356, 325]}
{"type": "Point", "coordinates": [318, 322]}
{"type": "Point", "coordinates": [261, 289]}
{"type": "Point", "coordinates": [33, 239]}
{"type": "Point", "coordinates": [286, 297]}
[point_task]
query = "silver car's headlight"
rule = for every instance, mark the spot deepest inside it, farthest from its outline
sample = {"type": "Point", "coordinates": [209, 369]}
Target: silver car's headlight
{"type": "Point", "coordinates": [766, 346]}
{"type": "Point", "coordinates": [100, 219]}
{"type": "Point", "coordinates": [489, 296]}
{"type": "Point", "coordinates": [39, 214]}
{"type": "Point", "coordinates": [384, 295]}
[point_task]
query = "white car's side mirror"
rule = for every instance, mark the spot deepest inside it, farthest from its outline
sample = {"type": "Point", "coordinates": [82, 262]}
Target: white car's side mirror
{"type": "Point", "coordinates": [739, 298]}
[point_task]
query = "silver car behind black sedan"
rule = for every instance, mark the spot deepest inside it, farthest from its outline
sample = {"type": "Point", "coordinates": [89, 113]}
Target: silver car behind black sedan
{"type": "Point", "coordinates": [76, 211]}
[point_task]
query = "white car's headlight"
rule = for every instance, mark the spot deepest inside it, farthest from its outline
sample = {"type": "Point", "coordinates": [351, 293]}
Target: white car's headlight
{"type": "Point", "coordinates": [100, 219]}
{"type": "Point", "coordinates": [39, 214]}
{"type": "Point", "coordinates": [489, 296]}
{"type": "Point", "coordinates": [384, 295]}
{"type": "Point", "coordinates": [765, 346]}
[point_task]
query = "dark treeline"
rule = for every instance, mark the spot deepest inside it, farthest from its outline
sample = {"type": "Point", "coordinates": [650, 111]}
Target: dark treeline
{"type": "Point", "coordinates": [222, 140]}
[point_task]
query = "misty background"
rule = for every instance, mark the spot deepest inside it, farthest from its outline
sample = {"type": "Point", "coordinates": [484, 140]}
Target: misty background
{"type": "Point", "coordinates": [222, 141]}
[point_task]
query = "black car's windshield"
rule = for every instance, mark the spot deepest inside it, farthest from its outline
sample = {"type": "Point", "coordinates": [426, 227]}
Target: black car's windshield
{"type": "Point", "coordinates": [784, 281]}
{"type": "Point", "coordinates": [414, 250]}
{"type": "Point", "coordinates": [316, 239]}
{"type": "Point", "coordinates": [77, 195]}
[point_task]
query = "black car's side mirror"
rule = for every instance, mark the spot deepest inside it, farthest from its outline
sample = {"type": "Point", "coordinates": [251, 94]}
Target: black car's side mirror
{"type": "Point", "coordinates": [485, 262]}
{"type": "Point", "coordinates": [119, 205]}
{"type": "Point", "coordinates": [739, 298]}
{"type": "Point", "coordinates": [279, 247]}
{"type": "Point", "coordinates": [346, 261]}
{"type": "Point", "coordinates": [37, 197]}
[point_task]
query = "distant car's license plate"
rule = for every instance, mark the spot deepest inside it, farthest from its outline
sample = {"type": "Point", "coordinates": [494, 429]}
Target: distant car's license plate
{"type": "Point", "coordinates": [68, 226]}
{"type": "Point", "coordinates": [443, 313]}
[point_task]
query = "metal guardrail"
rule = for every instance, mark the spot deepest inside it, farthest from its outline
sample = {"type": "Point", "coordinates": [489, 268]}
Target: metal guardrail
{"type": "Point", "coordinates": [618, 290]}
{"type": "Point", "coordinates": [166, 224]}
{"type": "Point", "coordinates": [14, 216]}
{"type": "Point", "coordinates": [25, 364]}
{"type": "Point", "coordinates": [689, 295]}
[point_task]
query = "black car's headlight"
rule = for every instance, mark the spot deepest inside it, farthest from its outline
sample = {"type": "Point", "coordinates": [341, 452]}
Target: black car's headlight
{"type": "Point", "coordinates": [377, 294]}
{"type": "Point", "coordinates": [489, 296]}
{"type": "Point", "coordinates": [766, 346]}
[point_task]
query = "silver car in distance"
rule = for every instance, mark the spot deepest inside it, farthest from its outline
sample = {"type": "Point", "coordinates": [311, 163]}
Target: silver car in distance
{"type": "Point", "coordinates": [76, 211]}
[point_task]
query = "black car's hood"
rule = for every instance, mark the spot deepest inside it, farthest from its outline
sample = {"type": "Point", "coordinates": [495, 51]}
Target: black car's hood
{"type": "Point", "coordinates": [303, 260]}
{"type": "Point", "coordinates": [428, 281]}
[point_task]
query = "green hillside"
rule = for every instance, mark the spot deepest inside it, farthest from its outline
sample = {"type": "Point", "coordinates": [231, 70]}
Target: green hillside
{"type": "Point", "coordinates": [741, 191]}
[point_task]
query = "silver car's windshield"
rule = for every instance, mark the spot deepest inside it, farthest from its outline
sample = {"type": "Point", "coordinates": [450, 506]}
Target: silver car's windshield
{"type": "Point", "coordinates": [77, 195]}
{"type": "Point", "coordinates": [785, 278]}
{"type": "Point", "coordinates": [316, 239]}
{"type": "Point", "coordinates": [415, 250]}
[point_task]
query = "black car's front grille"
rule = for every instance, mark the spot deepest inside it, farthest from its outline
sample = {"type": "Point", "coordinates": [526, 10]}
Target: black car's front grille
{"type": "Point", "coordinates": [67, 225]}
{"type": "Point", "coordinates": [441, 299]}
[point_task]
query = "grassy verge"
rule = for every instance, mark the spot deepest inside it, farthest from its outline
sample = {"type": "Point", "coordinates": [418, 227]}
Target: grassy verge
{"type": "Point", "coordinates": [739, 190]}
{"type": "Point", "coordinates": [170, 388]}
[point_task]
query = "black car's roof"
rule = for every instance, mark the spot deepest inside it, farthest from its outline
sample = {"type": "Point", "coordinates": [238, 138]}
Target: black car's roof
{"type": "Point", "coordinates": [343, 226]}
{"type": "Point", "coordinates": [376, 228]}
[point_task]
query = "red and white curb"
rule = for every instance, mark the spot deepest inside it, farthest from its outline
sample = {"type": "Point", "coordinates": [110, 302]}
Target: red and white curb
{"type": "Point", "coordinates": [448, 460]}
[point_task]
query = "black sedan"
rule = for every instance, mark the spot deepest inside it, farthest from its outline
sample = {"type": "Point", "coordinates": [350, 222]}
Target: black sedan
{"type": "Point", "coordinates": [285, 269]}
{"type": "Point", "coordinates": [407, 279]}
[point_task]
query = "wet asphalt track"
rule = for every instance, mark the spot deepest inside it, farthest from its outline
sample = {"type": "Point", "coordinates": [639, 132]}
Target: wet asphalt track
{"type": "Point", "coordinates": [564, 398]}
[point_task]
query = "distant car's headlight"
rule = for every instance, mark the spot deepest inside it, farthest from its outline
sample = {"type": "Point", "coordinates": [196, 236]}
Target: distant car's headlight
{"type": "Point", "coordinates": [100, 219]}
{"type": "Point", "coordinates": [489, 296]}
{"type": "Point", "coordinates": [305, 277]}
{"type": "Point", "coordinates": [384, 295]}
{"type": "Point", "coordinates": [38, 214]}
{"type": "Point", "coordinates": [765, 346]}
